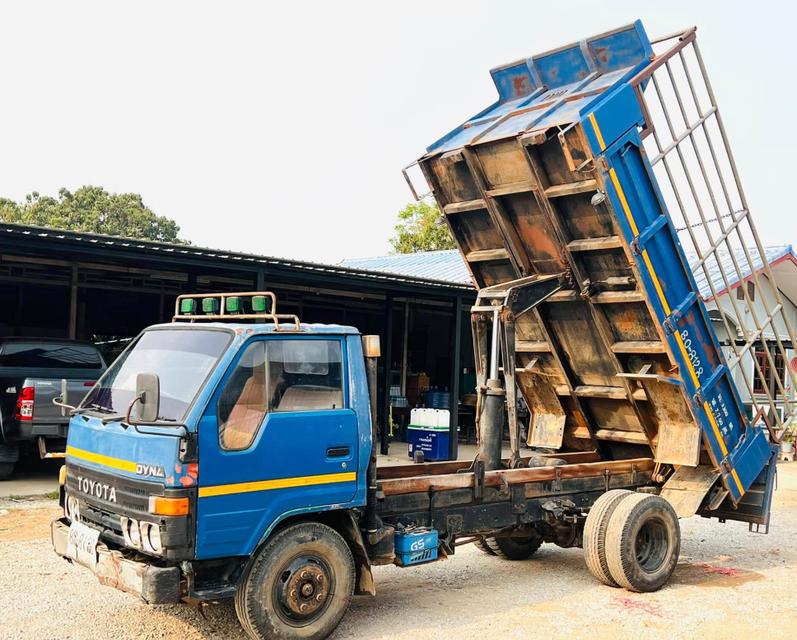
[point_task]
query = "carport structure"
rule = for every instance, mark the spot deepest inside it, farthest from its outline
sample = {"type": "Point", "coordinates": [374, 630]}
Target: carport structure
{"type": "Point", "coordinates": [106, 289]}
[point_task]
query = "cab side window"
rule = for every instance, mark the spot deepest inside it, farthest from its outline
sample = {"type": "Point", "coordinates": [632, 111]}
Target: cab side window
{"type": "Point", "coordinates": [305, 375]}
{"type": "Point", "coordinates": [243, 401]}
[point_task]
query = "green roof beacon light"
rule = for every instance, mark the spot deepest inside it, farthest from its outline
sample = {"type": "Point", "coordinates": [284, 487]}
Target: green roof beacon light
{"type": "Point", "coordinates": [210, 306]}
{"type": "Point", "coordinates": [187, 306]}
{"type": "Point", "coordinates": [260, 304]}
{"type": "Point", "coordinates": [233, 305]}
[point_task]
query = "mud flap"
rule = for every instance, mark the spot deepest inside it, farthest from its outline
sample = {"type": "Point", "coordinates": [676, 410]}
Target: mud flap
{"type": "Point", "coordinates": [754, 506]}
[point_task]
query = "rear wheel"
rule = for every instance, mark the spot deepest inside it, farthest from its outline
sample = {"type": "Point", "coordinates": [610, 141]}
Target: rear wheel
{"type": "Point", "coordinates": [594, 538]}
{"type": "Point", "coordinates": [299, 585]}
{"type": "Point", "coordinates": [517, 548]}
{"type": "Point", "coordinates": [481, 545]}
{"type": "Point", "coordinates": [6, 470]}
{"type": "Point", "coordinates": [642, 542]}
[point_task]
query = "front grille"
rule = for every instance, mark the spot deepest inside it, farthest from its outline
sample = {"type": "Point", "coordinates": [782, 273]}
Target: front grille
{"type": "Point", "coordinates": [111, 493]}
{"type": "Point", "coordinates": [105, 498]}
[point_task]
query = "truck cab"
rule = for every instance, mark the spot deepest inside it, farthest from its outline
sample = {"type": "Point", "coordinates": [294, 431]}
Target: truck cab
{"type": "Point", "coordinates": [205, 435]}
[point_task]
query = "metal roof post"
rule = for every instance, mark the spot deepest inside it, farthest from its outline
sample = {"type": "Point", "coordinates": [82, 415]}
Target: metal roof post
{"type": "Point", "coordinates": [456, 366]}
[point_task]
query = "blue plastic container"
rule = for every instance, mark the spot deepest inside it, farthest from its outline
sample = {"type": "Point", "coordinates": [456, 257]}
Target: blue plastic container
{"type": "Point", "coordinates": [438, 399]}
{"type": "Point", "coordinates": [432, 441]}
{"type": "Point", "coordinates": [416, 546]}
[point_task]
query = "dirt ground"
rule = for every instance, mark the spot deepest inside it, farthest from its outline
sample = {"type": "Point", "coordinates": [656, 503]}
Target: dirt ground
{"type": "Point", "coordinates": [728, 584]}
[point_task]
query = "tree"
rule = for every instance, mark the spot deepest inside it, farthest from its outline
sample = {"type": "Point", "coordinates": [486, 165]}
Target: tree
{"type": "Point", "coordinates": [421, 228]}
{"type": "Point", "coordinates": [94, 210]}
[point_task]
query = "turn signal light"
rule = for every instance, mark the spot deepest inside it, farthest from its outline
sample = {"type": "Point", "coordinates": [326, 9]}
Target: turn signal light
{"type": "Point", "coordinates": [162, 506]}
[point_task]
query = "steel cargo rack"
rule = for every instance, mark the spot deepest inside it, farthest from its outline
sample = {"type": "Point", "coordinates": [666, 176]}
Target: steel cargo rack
{"type": "Point", "coordinates": [604, 170]}
{"type": "Point", "coordinates": [233, 307]}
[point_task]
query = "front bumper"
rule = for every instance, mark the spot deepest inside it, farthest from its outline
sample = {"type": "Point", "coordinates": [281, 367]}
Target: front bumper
{"type": "Point", "coordinates": [151, 583]}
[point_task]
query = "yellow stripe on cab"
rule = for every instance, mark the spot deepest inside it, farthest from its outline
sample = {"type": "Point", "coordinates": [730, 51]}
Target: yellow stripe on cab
{"type": "Point", "coordinates": [98, 458]}
{"type": "Point", "coordinates": [278, 483]}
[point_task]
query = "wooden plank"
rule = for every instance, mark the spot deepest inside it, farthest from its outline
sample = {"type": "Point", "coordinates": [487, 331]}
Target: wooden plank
{"type": "Point", "coordinates": [595, 391]}
{"type": "Point", "coordinates": [559, 190]}
{"type": "Point", "coordinates": [532, 346]}
{"type": "Point", "coordinates": [509, 477]}
{"type": "Point", "coordinates": [595, 244]}
{"type": "Point", "coordinates": [467, 205]}
{"type": "Point", "coordinates": [388, 472]}
{"type": "Point", "coordinates": [512, 187]}
{"type": "Point", "coordinates": [486, 255]}
{"type": "Point", "coordinates": [614, 435]}
{"type": "Point", "coordinates": [639, 346]}
{"type": "Point", "coordinates": [617, 297]}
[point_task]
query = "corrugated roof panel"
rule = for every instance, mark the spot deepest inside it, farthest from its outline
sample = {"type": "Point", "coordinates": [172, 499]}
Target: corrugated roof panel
{"type": "Point", "coordinates": [726, 262]}
{"type": "Point", "coordinates": [449, 266]}
{"type": "Point", "coordinates": [446, 265]}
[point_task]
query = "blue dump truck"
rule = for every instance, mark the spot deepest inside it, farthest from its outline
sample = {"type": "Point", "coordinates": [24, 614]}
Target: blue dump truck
{"type": "Point", "coordinates": [230, 453]}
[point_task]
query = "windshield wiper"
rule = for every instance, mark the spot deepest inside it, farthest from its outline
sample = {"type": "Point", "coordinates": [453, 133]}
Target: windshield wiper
{"type": "Point", "coordinates": [92, 407]}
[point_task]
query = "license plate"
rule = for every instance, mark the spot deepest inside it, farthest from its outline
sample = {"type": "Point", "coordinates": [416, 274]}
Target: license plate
{"type": "Point", "coordinates": [81, 544]}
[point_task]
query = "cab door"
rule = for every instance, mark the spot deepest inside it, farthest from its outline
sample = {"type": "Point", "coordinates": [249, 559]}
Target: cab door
{"type": "Point", "coordinates": [277, 438]}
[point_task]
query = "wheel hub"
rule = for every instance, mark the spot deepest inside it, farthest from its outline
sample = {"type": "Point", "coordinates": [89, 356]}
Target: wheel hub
{"type": "Point", "coordinates": [304, 589]}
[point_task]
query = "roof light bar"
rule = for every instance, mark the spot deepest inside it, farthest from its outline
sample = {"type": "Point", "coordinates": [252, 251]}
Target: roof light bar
{"type": "Point", "coordinates": [234, 307]}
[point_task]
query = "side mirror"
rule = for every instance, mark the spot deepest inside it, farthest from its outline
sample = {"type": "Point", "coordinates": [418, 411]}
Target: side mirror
{"type": "Point", "coordinates": [148, 396]}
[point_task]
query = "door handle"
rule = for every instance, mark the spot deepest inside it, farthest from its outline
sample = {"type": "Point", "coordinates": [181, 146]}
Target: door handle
{"type": "Point", "coordinates": [337, 452]}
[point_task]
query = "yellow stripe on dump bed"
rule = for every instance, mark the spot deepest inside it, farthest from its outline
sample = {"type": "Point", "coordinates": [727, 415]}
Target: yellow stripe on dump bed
{"type": "Point", "coordinates": [98, 458]}
{"type": "Point", "coordinates": [665, 305]}
{"type": "Point", "coordinates": [597, 130]}
{"type": "Point", "coordinates": [279, 483]}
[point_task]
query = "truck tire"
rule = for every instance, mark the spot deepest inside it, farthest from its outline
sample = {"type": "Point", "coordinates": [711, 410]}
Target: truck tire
{"type": "Point", "coordinates": [594, 538]}
{"type": "Point", "coordinates": [521, 548]}
{"type": "Point", "coordinates": [9, 454]}
{"type": "Point", "coordinates": [642, 542]}
{"type": "Point", "coordinates": [298, 586]}
{"type": "Point", "coordinates": [481, 545]}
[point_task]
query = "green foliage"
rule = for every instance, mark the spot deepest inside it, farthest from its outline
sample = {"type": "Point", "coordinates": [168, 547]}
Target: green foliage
{"type": "Point", "coordinates": [421, 228]}
{"type": "Point", "coordinates": [94, 210]}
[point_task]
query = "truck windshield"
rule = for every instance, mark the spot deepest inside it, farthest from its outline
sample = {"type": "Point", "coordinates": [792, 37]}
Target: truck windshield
{"type": "Point", "coordinates": [182, 359]}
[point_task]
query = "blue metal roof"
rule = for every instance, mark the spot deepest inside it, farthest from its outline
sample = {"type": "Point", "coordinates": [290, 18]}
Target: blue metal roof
{"type": "Point", "coordinates": [443, 266]}
{"type": "Point", "coordinates": [448, 266]}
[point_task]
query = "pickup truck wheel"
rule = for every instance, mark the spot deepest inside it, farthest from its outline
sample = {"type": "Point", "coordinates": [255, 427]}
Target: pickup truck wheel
{"type": "Point", "coordinates": [594, 538]}
{"type": "Point", "coordinates": [9, 454]}
{"type": "Point", "coordinates": [520, 548]}
{"type": "Point", "coordinates": [298, 586]}
{"type": "Point", "coordinates": [642, 542]}
{"type": "Point", "coordinates": [6, 469]}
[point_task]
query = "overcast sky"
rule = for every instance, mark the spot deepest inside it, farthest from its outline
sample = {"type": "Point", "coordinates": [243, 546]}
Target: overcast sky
{"type": "Point", "coordinates": [282, 128]}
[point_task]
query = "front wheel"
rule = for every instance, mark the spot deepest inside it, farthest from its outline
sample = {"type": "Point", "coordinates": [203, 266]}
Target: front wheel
{"type": "Point", "coordinates": [299, 585]}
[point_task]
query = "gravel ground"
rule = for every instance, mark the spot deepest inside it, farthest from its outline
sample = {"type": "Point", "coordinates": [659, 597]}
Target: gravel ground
{"type": "Point", "coordinates": [728, 584]}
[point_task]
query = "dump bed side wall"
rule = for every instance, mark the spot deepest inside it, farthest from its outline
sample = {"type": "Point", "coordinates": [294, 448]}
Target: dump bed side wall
{"type": "Point", "coordinates": [671, 289]}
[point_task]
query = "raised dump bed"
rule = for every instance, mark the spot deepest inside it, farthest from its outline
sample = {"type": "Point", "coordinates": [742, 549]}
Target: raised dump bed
{"type": "Point", "coordinates": [599, 162]}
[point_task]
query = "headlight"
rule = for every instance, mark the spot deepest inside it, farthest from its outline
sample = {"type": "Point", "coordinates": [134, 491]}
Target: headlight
{"type": "Point", "coordinates": [72, 508]}
{"type": "Point", "coordinates": [151, 537]}
{"type": "Point", "coordinates": [134, 533]}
